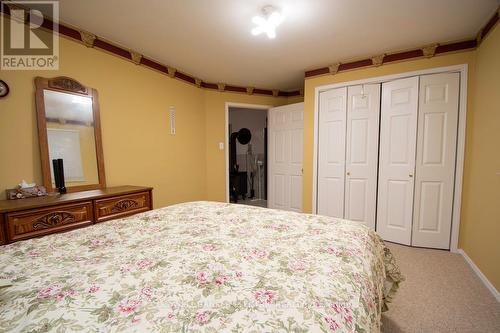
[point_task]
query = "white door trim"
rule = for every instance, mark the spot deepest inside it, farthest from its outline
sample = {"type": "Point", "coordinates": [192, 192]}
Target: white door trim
{"type": "Point", "coordinates": [226, 130]}
{"type": "Point", "coordinates": [462, 118]}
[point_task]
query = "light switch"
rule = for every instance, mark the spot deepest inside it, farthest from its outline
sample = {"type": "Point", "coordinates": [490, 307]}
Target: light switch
{"type": "Point", "coordinates": [221, 145]}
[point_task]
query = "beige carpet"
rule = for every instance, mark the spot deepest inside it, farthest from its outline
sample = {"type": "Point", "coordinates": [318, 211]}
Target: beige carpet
{"type": "Point", "coordinates": [441, 294]}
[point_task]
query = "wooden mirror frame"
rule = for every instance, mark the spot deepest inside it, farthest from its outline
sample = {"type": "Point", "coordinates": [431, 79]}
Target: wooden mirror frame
{"type": "Point", "coordinates": [69, 86]}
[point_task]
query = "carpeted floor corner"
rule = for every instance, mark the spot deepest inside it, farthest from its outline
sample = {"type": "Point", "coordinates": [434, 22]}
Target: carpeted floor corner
{"type": "Point", "coordinates": [441, 294]}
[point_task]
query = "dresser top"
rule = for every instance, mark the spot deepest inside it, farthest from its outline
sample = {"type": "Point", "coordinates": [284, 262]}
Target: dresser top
{"type": "Point", "coordinates": [56, 199]}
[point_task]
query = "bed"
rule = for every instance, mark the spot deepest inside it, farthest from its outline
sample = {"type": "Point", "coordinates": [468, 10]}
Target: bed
{"type": "Point", "coordinates": [200, 266]}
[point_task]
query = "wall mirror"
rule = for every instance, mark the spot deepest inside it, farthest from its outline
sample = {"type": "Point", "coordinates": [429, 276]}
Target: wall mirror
{"type": "Point", "coordinates": [69, 129]}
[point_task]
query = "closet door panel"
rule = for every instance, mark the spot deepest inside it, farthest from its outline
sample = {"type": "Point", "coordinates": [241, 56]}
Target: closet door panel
{"type": "Point", "coordinates": [398, 130]}
{"type": "Point", "coordinates": [356, 200]}
{"type": "Point", "coordinates": [362, 131]}
{"type": "Point", "coordinates": [435, 164]}
{"type": "Point", "coordinates": [331, 152]}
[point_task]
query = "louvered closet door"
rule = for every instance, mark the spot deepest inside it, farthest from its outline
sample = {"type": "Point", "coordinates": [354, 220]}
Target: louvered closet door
{"type": "Point", "coordinates": [398, 129]}
{"type": "Point", "coordinates": [331, 152]}
{"type": "Point", "coordinates": [435, 167]}
{"type": "Point", "coordinates": [363, 110]}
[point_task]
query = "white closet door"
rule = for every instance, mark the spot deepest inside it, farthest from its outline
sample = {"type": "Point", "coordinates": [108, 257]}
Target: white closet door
{"type": "Point", "coordinates": [435, 167]}
{"type": "Point", "coordinates": [286, 137]}
{"type": "Point", "coordinates": [398, 129]}
{"type": "Point", "coordinates": [331, 152]}
{"type": "Point", "coordinates": [363, 110]}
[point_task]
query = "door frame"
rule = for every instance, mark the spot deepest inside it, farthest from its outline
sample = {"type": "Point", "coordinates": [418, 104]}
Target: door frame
{"type": "Point", "coordinates": [226, 131]}
{"type": "Point", "coordinates": [462, 118]}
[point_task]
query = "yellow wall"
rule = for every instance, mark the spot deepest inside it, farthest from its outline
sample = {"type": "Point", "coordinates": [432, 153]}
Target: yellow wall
{"type": "Point", "coordinates": [134, 103]}
{"type": "Point", "coordinates": [480, 226]}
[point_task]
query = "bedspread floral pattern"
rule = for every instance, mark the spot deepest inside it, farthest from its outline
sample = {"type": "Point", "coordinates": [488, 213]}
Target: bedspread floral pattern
{"type": "Point", "coordinates": [200, 267]}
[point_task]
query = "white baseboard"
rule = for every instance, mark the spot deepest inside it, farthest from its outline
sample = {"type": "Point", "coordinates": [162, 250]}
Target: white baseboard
{"type": "Point", "coordinates": [480, 274]}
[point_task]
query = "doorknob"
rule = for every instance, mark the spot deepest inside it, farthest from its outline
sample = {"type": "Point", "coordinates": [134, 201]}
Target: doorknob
{"type": "Point", "coordinates": [410, 175]}
{"type": "Point", "coordinates": [348, 173]}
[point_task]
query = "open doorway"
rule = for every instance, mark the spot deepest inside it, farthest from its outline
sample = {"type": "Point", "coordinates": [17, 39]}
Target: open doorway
{"type": "Point", "coordinates": [247, 155]}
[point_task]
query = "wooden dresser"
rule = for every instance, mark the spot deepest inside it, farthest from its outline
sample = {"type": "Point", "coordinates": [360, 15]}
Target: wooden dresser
{"type": "Point", "coordinates": [34, 217]}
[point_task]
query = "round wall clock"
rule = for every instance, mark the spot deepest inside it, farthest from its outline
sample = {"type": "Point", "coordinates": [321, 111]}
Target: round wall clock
{"type": "Point", "coordinates": [4, 89]}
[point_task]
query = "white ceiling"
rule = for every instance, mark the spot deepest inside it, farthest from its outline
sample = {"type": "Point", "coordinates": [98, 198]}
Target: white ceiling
{"type": "Point", "coordinates": [211, 39]}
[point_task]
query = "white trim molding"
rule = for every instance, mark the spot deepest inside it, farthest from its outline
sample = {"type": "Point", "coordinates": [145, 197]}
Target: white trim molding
{"type": "Point", "coordinates": [481, 276]}
{"type": "Point", "coordinates": [226, 134]}
{"type": "Point", "coordinates": [462, 116]}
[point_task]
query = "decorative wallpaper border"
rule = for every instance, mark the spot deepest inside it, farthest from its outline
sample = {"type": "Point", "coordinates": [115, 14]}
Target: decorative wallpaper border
{"type": "Point", "coordinates": [427, 51]}
{"type": "Point", "coordinates": [93, 41]}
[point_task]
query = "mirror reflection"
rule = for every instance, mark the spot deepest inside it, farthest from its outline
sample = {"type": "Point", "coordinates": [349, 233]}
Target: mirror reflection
{"type": "Point", "coordinates": [70, 136]}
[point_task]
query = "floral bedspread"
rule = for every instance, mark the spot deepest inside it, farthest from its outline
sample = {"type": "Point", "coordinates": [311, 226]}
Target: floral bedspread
{"type": "Point", "coordinates": [200, 267]}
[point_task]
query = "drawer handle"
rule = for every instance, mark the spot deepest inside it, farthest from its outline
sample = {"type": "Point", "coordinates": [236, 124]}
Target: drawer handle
{"type": "Point", "coordinates": [125, 204]}
{"type": "Point", "coordinates": [53, 219]}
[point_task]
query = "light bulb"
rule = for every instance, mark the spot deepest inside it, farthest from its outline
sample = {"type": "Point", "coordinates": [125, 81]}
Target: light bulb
{"type": "Point", "coordinates": [275, 19]}
{"type": "Point", "coordinates": [271, 33]}
{"type": "Point", "coordinates": [267, 24]}
{"type": "Point", "coordinates": [258, 20]}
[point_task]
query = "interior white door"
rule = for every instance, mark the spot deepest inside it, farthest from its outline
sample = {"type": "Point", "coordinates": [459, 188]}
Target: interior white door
{"type": "Point", "coordinates": [331, 152]}
{"type": "Point", "coordinates": [363, 111]}
{"type": "Point", "coordinates": [286, 142]}
{"type": "Point", "coordinates": [398, 130]}
{"type": "Point", "coordinates": [435, 165]}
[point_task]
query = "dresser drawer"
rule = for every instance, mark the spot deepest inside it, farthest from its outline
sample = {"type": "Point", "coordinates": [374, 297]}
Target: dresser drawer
{"type": "Point", "coordinates": [3, 239]}
{"type": "Point", "coordinates": [125, 205]}
{"type": "Point", "coordinates": [38, 222]}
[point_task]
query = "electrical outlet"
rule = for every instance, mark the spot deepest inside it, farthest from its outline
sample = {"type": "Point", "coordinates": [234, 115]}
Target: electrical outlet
{"type": "Point", "coordinates": [221, 145]}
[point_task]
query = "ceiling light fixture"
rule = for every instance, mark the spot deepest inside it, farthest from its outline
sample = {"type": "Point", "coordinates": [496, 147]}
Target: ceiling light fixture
{"type": "Point", "coordinates": [267, 23]}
